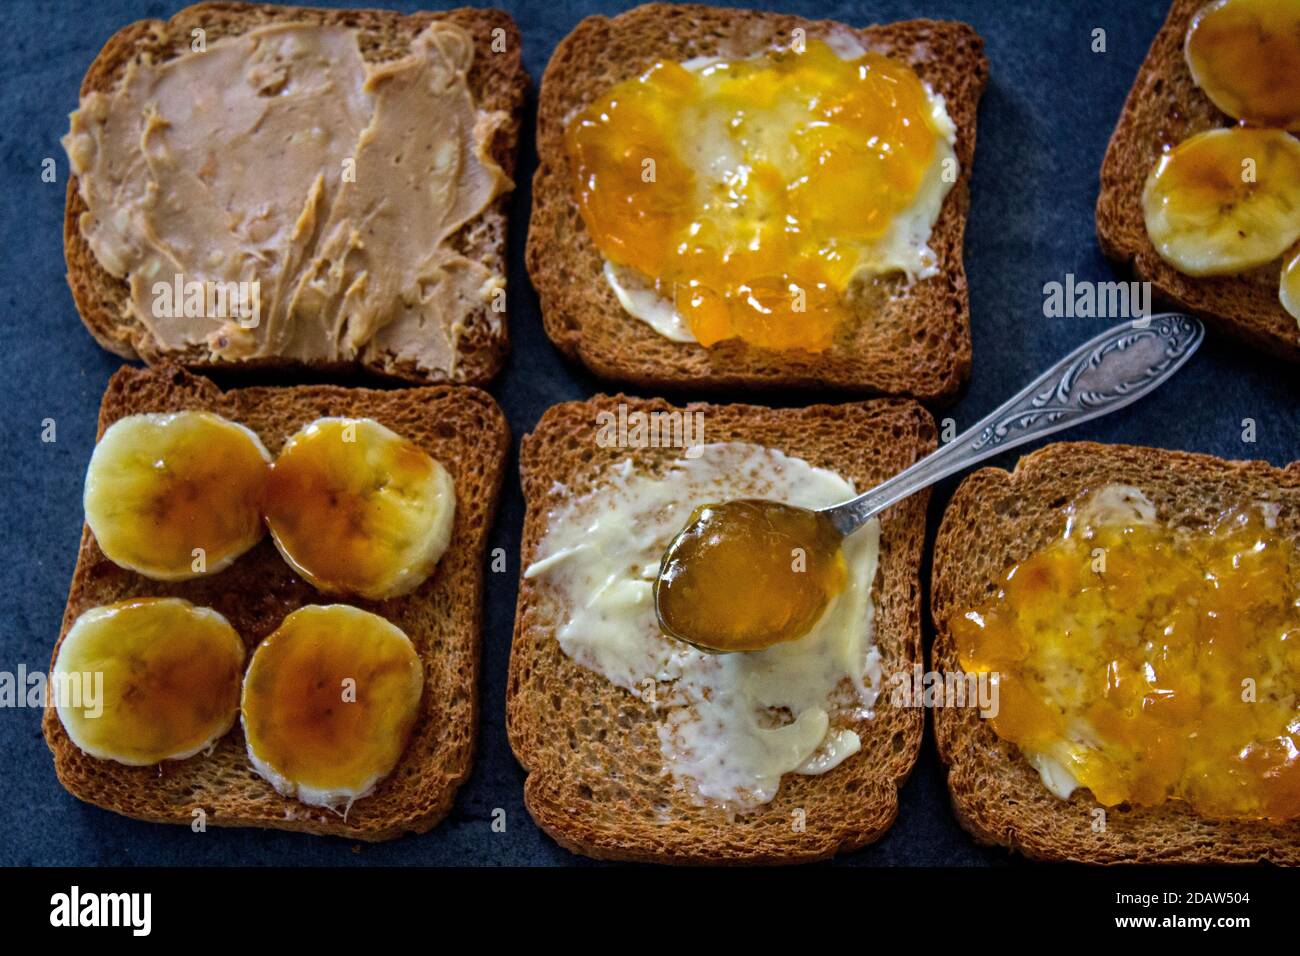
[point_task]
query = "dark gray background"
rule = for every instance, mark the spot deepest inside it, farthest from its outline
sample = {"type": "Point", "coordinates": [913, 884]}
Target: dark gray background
{"type": "Point", "coordinates": [1043, 127]}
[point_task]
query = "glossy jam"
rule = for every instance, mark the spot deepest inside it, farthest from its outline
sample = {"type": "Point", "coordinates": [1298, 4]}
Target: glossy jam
{"type": "Point", "coordinates": [331, 697]}
{"type": "Point", "coordinates": [1153, 664]}
{"type": "Point", "coordinates": [748, 191]}
{"type": "Point", "coordinates": [160, 487]}
{"type": "Point", "coordinates": [340, 502]}
{"type": "Point", "coordinates": [745, 575]}
{"type": "Point", "coordinates": [1245, 55]}
{"type": "Point", "coordinates": [171, 676]}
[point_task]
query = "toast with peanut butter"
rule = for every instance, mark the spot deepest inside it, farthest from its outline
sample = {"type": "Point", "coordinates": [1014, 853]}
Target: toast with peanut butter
{"type": "Point", "coordinates": [901, 331]}
{"type": "Point", "coordinates": [1164, 108]}
{"type": "Point", "coordinates": [996, 522]}
{"type": "Point", "coordinates": [605, 777]}
{"type": "Point", "coordinates": [256, 186]}
{"type": "Point", "coordinates": [459, 426]}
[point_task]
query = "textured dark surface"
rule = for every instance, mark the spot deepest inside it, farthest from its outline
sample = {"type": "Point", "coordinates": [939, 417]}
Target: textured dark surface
{"type": "Point", "coordinates": [1043, 126]}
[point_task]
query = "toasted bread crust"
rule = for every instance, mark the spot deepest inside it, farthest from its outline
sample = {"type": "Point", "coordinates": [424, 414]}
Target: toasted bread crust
{"type": "Point", "coordinates": [596, 781]}
{"type": "Point", "coordinates": [919, 344]}
{"type": "Point", "coordinates": [998, 518]}
{"type": "Point", "coordinates": [462, 428]}
{"type": "Point", "coordinates": [498, 82]}
{"type": "Point", "coordinates": [1163, 108]}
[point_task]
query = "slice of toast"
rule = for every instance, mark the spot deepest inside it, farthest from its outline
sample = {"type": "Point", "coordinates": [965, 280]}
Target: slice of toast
{"type": "Point", "coordinates": [998, 518]}
{"type": "Point", "coordinates": [1164, 108]}
{"type": "Point", "coordinates": [497, 81]}
{"type": "Point", "coordinates": [459, 426]}
{"type": "Point", "coordinates": [595, 772]}
{"type": "Point", "coordinates": [917, 343]}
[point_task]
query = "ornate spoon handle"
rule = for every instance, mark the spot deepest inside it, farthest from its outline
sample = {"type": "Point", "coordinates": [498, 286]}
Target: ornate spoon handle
{"type": "Point", "coordinates": [1101, 376]}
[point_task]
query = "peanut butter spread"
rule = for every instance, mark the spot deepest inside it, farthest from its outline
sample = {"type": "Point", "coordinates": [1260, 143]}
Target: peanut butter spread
{"type": "Point", "coordinates": [281, 161]}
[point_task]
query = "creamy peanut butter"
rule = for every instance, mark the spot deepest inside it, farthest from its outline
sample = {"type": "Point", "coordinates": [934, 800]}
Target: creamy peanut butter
{"type": "Point", "coordinates": [281, 158]}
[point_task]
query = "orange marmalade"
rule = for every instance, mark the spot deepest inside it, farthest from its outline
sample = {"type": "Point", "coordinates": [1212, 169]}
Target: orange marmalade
{"type": "Point", "coordinates": [1152, 663]}
{"type": "Point", "coordinates": [746, 574]}
{"type": "Point", "coordinates": [750, 193]}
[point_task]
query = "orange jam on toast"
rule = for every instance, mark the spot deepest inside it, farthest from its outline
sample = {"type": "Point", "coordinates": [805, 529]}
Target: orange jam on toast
{"type": "Point", "coordinates": [750, 193]}
{"type": "Point", "coordinates": [748, 574]}
{"type": "Point", "coordinates": [1152, 663]}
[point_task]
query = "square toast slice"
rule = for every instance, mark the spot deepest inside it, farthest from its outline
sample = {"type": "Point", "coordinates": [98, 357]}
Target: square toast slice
{"type": "Point", "coordinates": [596, 781]}
{"type": "Point", "coordinates": [917, 344]}
{"type": "Point", "coordinates": [463, 429]}
{"type": "Point", "coordinates": [496, 79]}
{"type": "Point", "coordinates": [997, 518]}
{"type": "Point", "coordinates": [1163, 108]}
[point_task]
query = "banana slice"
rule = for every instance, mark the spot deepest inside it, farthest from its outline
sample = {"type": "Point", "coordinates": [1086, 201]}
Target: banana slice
{"type": "Point", "coordinates": [1290, 291]}
{"type": "Point", "coordinates": [1245, 55]}
{"type": "Point", "coordinates": [176, 496]}
{"type": "Point", "coordinates": [329, 702]}
{"type": "Point", "coordinates": [148, 680]}
{"type": "Point", "coordinates": [357, 509]}
{"type": "Point", "coordinates": [1225, 200]}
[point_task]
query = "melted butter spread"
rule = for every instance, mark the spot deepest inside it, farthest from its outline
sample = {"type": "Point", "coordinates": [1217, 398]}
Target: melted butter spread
{"type": "Point", "coordinates": [1151, 663]}
{"type": "Point", "coordinates": [729, 725]}
{"type": "Point", "coordinates": [281, 158]}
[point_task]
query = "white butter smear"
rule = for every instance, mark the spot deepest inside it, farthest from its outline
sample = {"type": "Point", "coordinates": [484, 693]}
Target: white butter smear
{"type": "Point", "coordinates": [731, 725]}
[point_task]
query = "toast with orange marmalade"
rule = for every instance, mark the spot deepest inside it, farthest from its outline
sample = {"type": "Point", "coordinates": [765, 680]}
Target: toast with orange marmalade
{"type": "Point", "coordinates": [734, 198]}
{"type": "Point", "coordinates": [1134, 612]}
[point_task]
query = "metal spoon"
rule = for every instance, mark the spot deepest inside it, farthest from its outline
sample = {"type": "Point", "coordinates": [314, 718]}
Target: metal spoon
{"type": "Point", "coordinates": [1103, 375]}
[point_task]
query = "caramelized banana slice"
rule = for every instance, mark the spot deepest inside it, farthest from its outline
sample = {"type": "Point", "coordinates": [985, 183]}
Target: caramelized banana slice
{"type": "Point", "coordinates": [1245, 55]}
{"type": "Point", "coordinates": [176, 496]}
{"type": "Point", "coordinates": [1290, 291]}
{"type": "Point", "coordinates": [357, 509]}
{"type": "Point", "coordinates": [1225, 200]}
{"type": "Point", "coordinates": [148, 680]}
{"type": "Point", "coordinates": [329, 703]}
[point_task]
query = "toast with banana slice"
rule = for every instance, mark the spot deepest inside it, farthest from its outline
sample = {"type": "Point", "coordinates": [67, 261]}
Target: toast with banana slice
{"type": "Point", "coordinates": [1166, 107]}
{"type": "Point", "coordinates": [459, 427]}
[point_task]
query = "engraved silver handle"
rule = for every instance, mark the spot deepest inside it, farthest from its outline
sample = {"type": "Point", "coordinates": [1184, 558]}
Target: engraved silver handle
{"type": "Point", "coordinates": [1101, 376]}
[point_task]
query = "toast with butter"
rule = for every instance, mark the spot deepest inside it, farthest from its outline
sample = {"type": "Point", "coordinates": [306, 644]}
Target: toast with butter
{"type": "Point", "coordinates": [354, 217]}
{"type": "Point", "coordinates": [895, 337]}
{"type": "Point", "coordinates": [1164, 108]}
{"type": "Point", "coordinates": [460, 427]}
{"type": "Point", "coordinates": [998, 519]}
{"type": "Point", "coordinates": [606, 777]}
